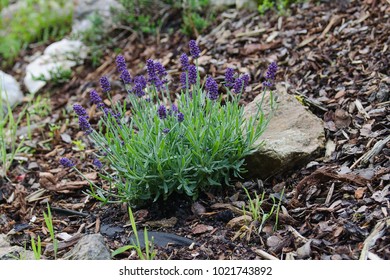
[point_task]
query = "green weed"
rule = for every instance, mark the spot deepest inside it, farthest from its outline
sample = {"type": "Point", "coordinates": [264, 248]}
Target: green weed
{"type": "Point", "coordinates": [255, 209]}
{"type": "Point", "coordinates": [58, 76]}
{"type": "Point", "coordinates": [9, 145]}
{"type": "Point", "coordinates": [37, 248]}
{"type": "Point", "coordinates": [149, 254]}
{"type": "Point", "coordinates": [138, 14]}
{"type": "Point", "coordinates": [280, 5]}
{"type": "Point", "coordinates": [39, 106]}
{"type": "Point", "coordinates": [194, 16]}
{"type": "Point", "coordinates": [79, 145]}
{"type": "Point", "coordinates": [49, 224]}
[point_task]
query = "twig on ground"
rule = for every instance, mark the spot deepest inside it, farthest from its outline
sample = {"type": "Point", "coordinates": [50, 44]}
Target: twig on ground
{"type": "Point", "coordinates": [264, 254]}
{"type": "Point", "coordinates": [377, 232]}
{"type": "Point", "coordinates": [371, 153]}
{"type": "Point", "coordinates": [297, 235]}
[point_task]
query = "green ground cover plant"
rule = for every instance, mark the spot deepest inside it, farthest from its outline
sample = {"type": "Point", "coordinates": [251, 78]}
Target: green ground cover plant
{"type": "Point", "coordinates": [139, 15]}
{"type": "Point", "coordinates": [185, 145]}
{"type": "Point", "coordinates": [280, 5]}
{"type": "Point", "coordinates": [3, 4]}
{"type": "Point", "coordinates": [35, 21]}
{"type": "Point", "coordinates": [195, 16]}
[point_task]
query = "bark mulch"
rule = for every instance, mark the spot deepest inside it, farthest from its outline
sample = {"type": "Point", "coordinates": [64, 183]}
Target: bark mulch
{"type": "Point", "coordinates": [334, 57]}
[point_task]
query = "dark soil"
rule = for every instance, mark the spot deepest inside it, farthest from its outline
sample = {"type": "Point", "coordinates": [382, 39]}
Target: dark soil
{"type": "Point", "coordinates": [334, 57]}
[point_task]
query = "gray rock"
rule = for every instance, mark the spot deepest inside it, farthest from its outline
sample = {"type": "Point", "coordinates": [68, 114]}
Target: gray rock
{"type": "Point", "coordinates": [222, 3]}
{"type": "Point", "coordinates": [63, 55]}
{"type": "Point", "coordinates": [239, 4]}
{"type": "Point", "coordinates": [85, 8]}
{"type": "Point", "coordinates": [293, 136]}
{"type": "Point", "coordinates": [9, 89]}
{"type": "Point", "coordinates": [247, 4]}
{"type": "Point", "coordinates": [8, 252]}
{"type": "Point", "coordinates": [90, 247]}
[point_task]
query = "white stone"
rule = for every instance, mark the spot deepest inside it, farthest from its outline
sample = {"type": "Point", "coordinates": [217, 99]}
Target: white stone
{"type": "Point", "coordinates": [239, 4]}
{"type": "Point", "coordinates": [84, 8]}
{"type": "Point", "coordinates": [293, 136]}
{"type": "Point", "coordinates": [247, 4]}
{"type": "Point", "coordinates": [62, 54]}
{"type": "Point", "coordinates": [221, 3]}
{"type": "Point", "coordinates": [90, 247]}
{"type": "Point", "coordinates": [10, 89]}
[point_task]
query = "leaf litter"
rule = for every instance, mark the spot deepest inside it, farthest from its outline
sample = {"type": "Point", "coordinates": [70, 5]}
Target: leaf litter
{"type": "Point", "coordinates": [334, 57]}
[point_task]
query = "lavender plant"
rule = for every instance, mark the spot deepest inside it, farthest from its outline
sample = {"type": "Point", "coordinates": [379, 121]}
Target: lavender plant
{"type": "Point", "coordinates": [185, 144]}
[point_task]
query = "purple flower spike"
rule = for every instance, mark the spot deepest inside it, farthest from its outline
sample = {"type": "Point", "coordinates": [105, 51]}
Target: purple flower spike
{"type": "Point", "coordinates": [192, 74]}
{"type": "Point", "coordinates": [107, 111]}
{"type": "Point", "coordinates": [79, 110]}
{"type": "Point", "coordinates": [139, 85]}
{"type": "Point", "coordinates": [212, 88]}
{"type": "Point", "coordinates": [238, 85]}
{"type": "Point", "coordinates": [183, 80]}
{"type": "Point", "coordinates": [97, 163]}
{"type": "Point", "coordinates": [141, 81]}
{"type": "Point", "coordinates": [180, 117]}
{"type": "Point", "coordinates": [66, 162]}
{"type": "Point", "coordinates": [155, 72]}
{"type": "Point", "coordinates": [120, 63]}
{"type": "Point", "coordinates": [174, 108]}
{"type": "Point", "coordinates": [229, 77]}
{"type": "Point", "coordinates": [245, 78]}
{"type": "Point", "coordinates": [184, 61]}
{"type": "Point", "coordinates": [271, 72]}
{"type": "Point", "coordinates": [162, 73]}
{"type": "Point", "coordinates": [105, 84]}
{"type": "Point", "coordinates": [125, 76]}
{"type": "Point", "coordinates": [95, 98]}
{"type": "Point", "coordinates": [151, 70]}
{"type": "Point", "coordinates": [194, 49]}
{"type": "Point", "coordinates": [84, 125]}
{"type": "Point", "coordinates": [241, 83]}
{"type": "Point", "coordinates": [160, 69]}
{"type": "Point", "coordinates": [166, 130]}
{"type": "Point", "coordinates": [162, 112]}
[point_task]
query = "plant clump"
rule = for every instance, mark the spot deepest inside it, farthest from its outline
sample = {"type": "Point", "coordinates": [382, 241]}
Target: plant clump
{"type": "Point", "coordinates": [34, 21]}
{"type": "Point", "coordinates": [185, 144]}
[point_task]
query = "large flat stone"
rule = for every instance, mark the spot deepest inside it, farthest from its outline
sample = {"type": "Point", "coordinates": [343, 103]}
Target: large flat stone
{"type": "Point", "coordinates": [63, 54]}
{"type": "Point", "coordinates": [293, 137]}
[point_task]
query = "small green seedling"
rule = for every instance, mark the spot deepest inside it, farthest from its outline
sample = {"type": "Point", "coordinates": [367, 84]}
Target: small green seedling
{"type": "Point", "coordinates": [258, 214]}
{"type": "Point", "coordinates": [37, 248]}
{"type": "Point", "coordinates": [79, 145]}
{"type": "Point", "coordinates": [49, 224]}
{"type": "Point", "coordinates": [149, 246]}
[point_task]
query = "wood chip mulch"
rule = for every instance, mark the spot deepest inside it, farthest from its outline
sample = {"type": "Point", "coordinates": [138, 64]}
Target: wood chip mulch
{"type": "Point", "coordinates": [334, 57]}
